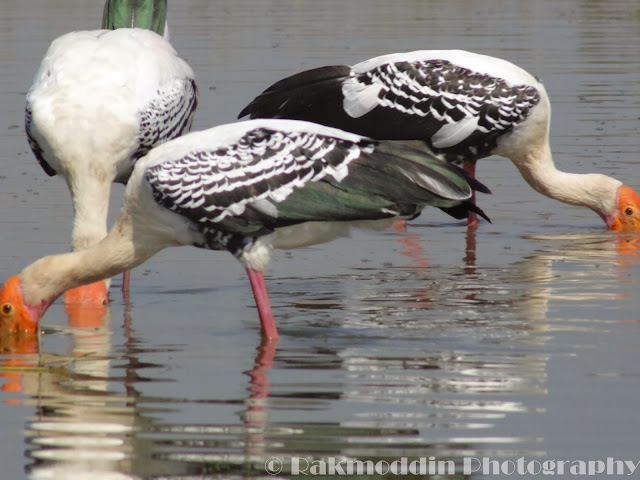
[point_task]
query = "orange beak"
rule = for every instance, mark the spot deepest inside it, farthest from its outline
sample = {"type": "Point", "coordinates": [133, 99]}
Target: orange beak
{"type": "Point", "coordinates": [626, 217]}
{"type": "Point", "coordinates": [93, 294]}
{"type": "Point", "coordinates": [86, 305]}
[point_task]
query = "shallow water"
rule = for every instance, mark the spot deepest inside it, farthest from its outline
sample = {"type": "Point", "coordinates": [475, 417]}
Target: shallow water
{"type": "Point", "coordinates": [517, 341]}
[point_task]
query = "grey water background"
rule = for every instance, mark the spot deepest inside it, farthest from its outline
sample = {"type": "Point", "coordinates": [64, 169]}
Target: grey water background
{"type": "Point", "coordinates": [520, 340]}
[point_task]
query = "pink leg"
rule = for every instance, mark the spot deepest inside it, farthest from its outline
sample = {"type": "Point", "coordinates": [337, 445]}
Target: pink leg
{"type": "Point", "coordinates": [256, 279]}
{"type": "Point", "coordinates": [472, 219]}
{"type": "Point", "coordinates": [400, 226]}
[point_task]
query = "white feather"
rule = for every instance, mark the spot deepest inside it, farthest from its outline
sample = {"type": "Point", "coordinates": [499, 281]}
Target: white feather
{"type": "Point", "coordinates": [454, 133]}
{"type": "Point", "coordinates": [498, 67]}
{"type": "Point", "coordinates": [266, 207]}
{"type": "Point", "coordinates": [359, 99]}
{"type": "Point", "coordinates": [223, 135]}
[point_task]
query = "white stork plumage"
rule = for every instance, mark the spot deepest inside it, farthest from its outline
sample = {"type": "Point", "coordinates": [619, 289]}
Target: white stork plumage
{"type": "Point", "coordinates": [100, 100]}
{"type": "Point", "coordinates": [463, 106]}
{"type": "Point", "coordinates": [246, 188]}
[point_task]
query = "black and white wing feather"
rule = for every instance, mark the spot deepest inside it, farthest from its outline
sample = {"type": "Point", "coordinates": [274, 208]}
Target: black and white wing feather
{"type": "Point", "coordinates": [235, 191]}
{"type": "Point", "coordinates": [459, 111]}
{"type": "Point", "coordinates": [35, 147]}
{"type": "Point", "coordinates": [237, 182]}
{"type": "Point", "coordinates": [169, 115]}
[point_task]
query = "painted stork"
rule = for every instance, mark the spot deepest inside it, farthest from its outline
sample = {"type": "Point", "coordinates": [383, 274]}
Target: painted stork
{"type": "Point", "coordinates": [100, 100]}
{"type": "Point", "coordinates": [463, 106]}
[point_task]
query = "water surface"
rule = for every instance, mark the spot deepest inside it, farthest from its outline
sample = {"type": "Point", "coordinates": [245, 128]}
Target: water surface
{"type": "Point", "coordinates": [518, 340]}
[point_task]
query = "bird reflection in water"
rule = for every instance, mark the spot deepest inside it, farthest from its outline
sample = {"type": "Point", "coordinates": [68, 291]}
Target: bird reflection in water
{"type": "Point", "coordinates": [83, 424]}
{"type": "Point", "coordinates": [628, 248]}
{"type": "Point", "coordinates": [77, 427]}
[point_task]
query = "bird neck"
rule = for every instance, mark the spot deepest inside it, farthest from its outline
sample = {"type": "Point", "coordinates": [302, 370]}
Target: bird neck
{"type": "Point", "coordinates": [122, 249]}
{"type": "Point", "coordinates": [594, 191]}
{"type": "Point", "coordinates": [90, 198]}
{"type": "Point", "coordinates": [147, 14]}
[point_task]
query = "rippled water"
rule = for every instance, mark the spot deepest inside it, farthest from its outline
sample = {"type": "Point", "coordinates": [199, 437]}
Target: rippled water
{"type": "Point", "coordinates": [518, 340]}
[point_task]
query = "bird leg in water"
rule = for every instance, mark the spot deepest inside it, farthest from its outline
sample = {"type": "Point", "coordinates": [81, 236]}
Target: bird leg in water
{"type": "Point", "coordinates": [470, 169]}
{"type": "Point", "coordinates": [256, 279]}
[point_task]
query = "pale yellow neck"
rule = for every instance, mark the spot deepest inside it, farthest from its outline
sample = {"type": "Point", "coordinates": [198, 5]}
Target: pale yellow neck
{"type": "Point", "coordinates": [49, 277]}
{"type": "Point", "coordinates": [90, 189]}
{"type": "Point", "coordinates": [594, 191]}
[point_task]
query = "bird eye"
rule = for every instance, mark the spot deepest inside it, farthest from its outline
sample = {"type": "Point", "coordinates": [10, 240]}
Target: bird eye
{"type": "Point", "coordinates": [7, 308]}
{"type": "Point", "coordinates": [628, 211]}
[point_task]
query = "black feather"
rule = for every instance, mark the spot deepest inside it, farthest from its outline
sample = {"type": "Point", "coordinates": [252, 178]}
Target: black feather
{"type": "Point", "coordinates": [462, 211]}
{"type": "Point", "coordinates": [303, 96]}
{"type": "Point", "coordinates": [35, 148]}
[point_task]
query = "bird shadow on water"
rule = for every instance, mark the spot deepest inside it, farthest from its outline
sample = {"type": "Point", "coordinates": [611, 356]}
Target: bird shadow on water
{"type": "Point", "coordinates": [372, 365]}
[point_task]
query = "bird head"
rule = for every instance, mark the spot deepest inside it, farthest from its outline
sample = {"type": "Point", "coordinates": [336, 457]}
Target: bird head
{"type": "Point", "coordinates": [92, 294]}
{"type": "Point", "coordinates": [626, 217]}
{"type": "Point", "coordinates": [15, 315]}
{"type": "Point", "coordinates": [87, 305]}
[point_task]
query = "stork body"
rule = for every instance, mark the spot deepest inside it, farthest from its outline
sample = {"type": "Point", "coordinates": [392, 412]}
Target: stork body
{"type": "Point", "coordinates": [462, 106]}
{"type": "Point", "coordinates": [100, 100]}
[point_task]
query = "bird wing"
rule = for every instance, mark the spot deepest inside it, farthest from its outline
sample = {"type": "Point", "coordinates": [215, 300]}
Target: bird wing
{"type": "Point", "coordinates": [456, 107]}
{"type": "Point", "coordinates": [271, 178]}
{"type": "Point", "coordinates": [35, 148]}
{"type": "Point", "coordinates": [169, 114]}
{"type": "Point", "coordinates": [237, 188]}
{"type": "Point", "coordinates": [460, 113]}
{"type": "Point", "coordinates": [392, 180]}
{"type": "Point", "coordinates": [305, 92]}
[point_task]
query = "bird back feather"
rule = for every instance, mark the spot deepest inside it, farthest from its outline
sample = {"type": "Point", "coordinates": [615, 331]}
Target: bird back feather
{"type": "Point", "coordinates": [270, 178]}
